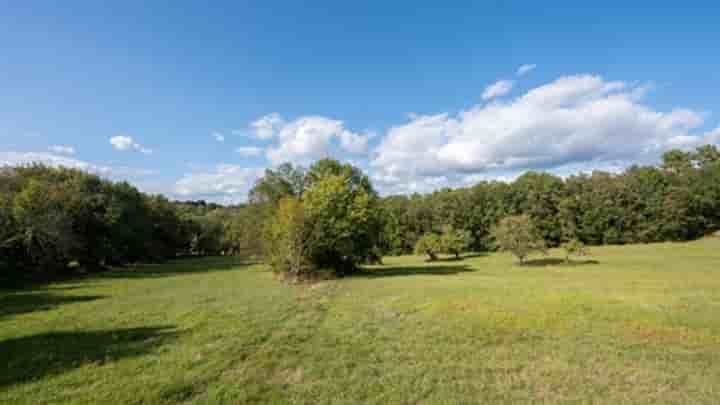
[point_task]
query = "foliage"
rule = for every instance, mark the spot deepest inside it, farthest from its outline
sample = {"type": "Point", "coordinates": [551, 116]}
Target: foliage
{"type": "Point", "coordinates": [51, 218]}
{"type": "Point", "coordinates": [333, 225]}
{"type": "Point", "coordinates": [574, 247]}
{"type": "Point", "coordinates": [454, 241]}
{"type": "Point", "coordinates": [430, 245]}
{"type": "Point", "coordinates": [287, 236]}
{"type": "Point", "coordinates": [680, 200]}
{"type": "Point", "coordinates": [341, 218]}
{"type": "Point", "coordinates": [519, 236]}
{"type": "Point", "coordinates": [285, 181]}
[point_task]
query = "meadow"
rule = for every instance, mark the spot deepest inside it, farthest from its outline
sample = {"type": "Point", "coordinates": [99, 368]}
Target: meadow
{"type": "Point", "coordinates": [631, 324]}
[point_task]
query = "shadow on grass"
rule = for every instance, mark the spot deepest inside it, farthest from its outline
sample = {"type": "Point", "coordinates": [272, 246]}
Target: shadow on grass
{"type": "Point", "coordinates": [30, 358]}
{"type": "Point", "coordinates": [176, 267]}
{"type": "Point", "coordinates": [393, 271]}
{"type": "Point", "coordinates": [20, 303]}
{"type": "Point", "coordinates": [554, 261]}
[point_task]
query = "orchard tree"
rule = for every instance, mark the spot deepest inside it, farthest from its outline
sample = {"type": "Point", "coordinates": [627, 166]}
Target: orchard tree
{"type": "Point", "coordinates": [430, 245]}
{"type": "Point", "coordinates": [519, 236]}
{"type": "Point", "coordinates": [454, 241]}
{"type": "Point", "coordinates": [574, 247]}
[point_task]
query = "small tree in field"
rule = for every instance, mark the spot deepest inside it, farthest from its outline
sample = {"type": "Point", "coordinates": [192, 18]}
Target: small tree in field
{"type": "Point", "coordinates": [430, 245]}
{"type": "Point", "coordinates": [574, 247]}
{"type": "Point", "coordinates": [454, 241]}
{"type": "Point", "coordinates": [518, 236]}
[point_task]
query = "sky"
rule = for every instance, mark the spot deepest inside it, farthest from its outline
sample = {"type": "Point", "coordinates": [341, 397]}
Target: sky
{"type": "Point", "coordinates": [195, 100]}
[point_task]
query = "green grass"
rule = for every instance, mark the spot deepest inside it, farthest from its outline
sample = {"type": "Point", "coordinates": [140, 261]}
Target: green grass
{"type": "Point", "coordinates": [640, 326]}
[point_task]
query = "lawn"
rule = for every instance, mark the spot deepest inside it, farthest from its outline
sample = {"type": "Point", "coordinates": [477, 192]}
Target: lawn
{"type": "Point", "coordinates": [639, 325]}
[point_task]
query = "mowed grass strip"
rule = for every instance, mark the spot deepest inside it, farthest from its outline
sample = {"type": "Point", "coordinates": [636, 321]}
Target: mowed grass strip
{"type": "Point", "coordinates": [633, 324]}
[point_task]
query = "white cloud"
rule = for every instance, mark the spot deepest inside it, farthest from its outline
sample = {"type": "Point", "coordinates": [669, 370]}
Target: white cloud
{"type": "Point", "coordinates": [122, 142]}
{"type": "Point", "coordinates": [25, 158]}
{"type": "Point", "coordinates": [62, 149]}
{"type": "Point", "coordinates": [311, 137]}
{"type": "Point", "coordinates": [218, 136]}
{"type": "Point", "coordinates": [227, 183]}
{"type": "Point", "coordinates": [267, 126]}
{"type": "Point", "coordinates": [575, 121]}
{"type": "Point", "coordinates": [249, 151]}
{"type": "Point", "coordinates": [525, 69]}
{"type": "Point", "coordinates": [497, 89]}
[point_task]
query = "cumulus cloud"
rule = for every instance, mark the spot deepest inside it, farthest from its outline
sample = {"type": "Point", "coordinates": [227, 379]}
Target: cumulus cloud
{"type": "Point", "coordinates": [249, 151]}
{"type": "Point", "coordinates": [525, 69]}
{"type": "Point", "coordinates": [62, 149]}
{"type": "Point", "coordinates": [25, 158]}
{"type": "Point", "coordinates": [226, 183]}
{"type": "Point", "coordinates": [575, 120]}
{"type": "Point", "coordinates": [218, 136]}
{"type": "Point", "coordinates": [267, 126]}
{"type": "Point", "coordinates": [308, 138]}
{"type": "Point", "coordinates": [124, 143]}
{"type": "Point", "coordinates": [497, 89]}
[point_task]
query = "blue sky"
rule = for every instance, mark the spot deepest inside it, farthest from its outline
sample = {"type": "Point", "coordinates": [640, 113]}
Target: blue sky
{"type": "Point", "coordinates": [195, 100]}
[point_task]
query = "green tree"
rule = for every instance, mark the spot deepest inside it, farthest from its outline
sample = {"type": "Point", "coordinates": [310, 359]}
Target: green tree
{"type": "Point", "coordinates": [430, 245]}
{"type": "Point", "coordinates": [574, 247]}
{"type": "Point", "coordinates": [285, 181]}
{"type": "Point", "coordinates": [343, 224]}
{"type": "Point", "coordinates": [454, 241]}
{"type": "Point", "coordinates": [287, 235]}
{"type": "Point", "coordinates": [519, 236]}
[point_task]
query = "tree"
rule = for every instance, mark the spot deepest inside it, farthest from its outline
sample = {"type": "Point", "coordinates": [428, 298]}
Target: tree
{"type": "Point", "coordinates": [342, 221]}
{"type": "Point", "coordinates": [287, 236]}
{"type": "Point", "coordinates": [324, 168]}
{"type": "Point", "coordinates": [285, 181]}
{"type": "Point", "coordinates": [574, 247]}
{"type": "Point", "coordinates": [430, 245]}
{"type": "Point", "coordinates": [454, 241]}
{"type": "Point", "coordinates": [518, 235]}
{"type": "Point", "coordinates": [334, 225]}
{"type": "Point", "coordinates": [538, 196]}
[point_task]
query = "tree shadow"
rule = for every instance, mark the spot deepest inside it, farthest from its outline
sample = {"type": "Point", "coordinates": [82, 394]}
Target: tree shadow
{"type": "Point", "coordinates": [475, 254]}
{"type": "Point", "coordinates": [30, 358]}
{"type": "Point", "coordinates": [176, 267]}
{"type": "Point", "coordinates": [20, 303]}
{"type": "Point", "coordinates": [460, 258]}
{"type": "Point", "coordinates": [554, 261]}
{"type": "Point", "coordinates": [393, 271]}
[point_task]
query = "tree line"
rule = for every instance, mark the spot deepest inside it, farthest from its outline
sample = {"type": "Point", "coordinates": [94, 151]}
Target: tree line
{"type": "Point", "coordinates": [677, 200]}
{"type": "Point", "coordinates": [329, 218]}
{"type": "Point", "coordinates": [59, 221]}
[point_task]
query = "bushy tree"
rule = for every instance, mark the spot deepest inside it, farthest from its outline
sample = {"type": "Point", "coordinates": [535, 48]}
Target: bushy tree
{"type": "Point", "coordinates": [341, 217]}
{"type": "Point", "coordinates": [287, 235]}
{"type": "Point", "coordinates": [574, 247]}
{"type": "Point", "coordinates": [454, 241]}
{"type": "Point", "coordinates": [519, 236]}
{"type": "Point", "coordinates": [332, 226]}
{"type": "Point", "coordinates": [285, 181]}
{"type": "Point", "coordinates": [429, 245]}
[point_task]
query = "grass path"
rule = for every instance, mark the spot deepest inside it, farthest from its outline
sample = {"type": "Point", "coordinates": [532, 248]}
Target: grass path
{"type": "Point", "coordinates": [640, 326]}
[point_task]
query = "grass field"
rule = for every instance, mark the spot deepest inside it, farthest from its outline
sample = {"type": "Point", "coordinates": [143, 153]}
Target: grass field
{"type": "Point", "coordinates": [642, 325]}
